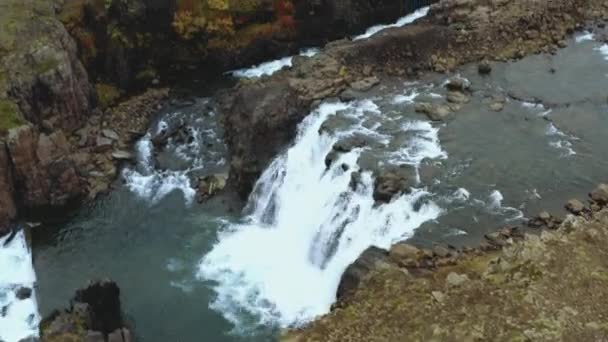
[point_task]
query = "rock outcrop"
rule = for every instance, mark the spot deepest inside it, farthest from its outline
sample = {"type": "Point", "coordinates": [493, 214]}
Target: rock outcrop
{"type": "Point", "coordinates": [95, 315]}
{"type": "Point", "coordinates": [54, 143]}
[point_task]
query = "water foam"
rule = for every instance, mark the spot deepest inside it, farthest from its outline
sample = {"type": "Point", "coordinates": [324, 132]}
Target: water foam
{"type": "Point", "coordinates": [408, 19]}
{"type": "Point", "coordinates": [151, 184]}
{"type": "Point", "coordinates": [307, 223]}
{"type": "Point", "coordinates": [270, 67]}
{"type": "Point", "coordinates": [586, 36]}
{"type": "Point", "coordinates": [19, 319]}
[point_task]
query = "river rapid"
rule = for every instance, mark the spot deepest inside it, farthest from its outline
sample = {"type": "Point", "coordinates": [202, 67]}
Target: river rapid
{"type": "Point", "coordinates": [224, 271]}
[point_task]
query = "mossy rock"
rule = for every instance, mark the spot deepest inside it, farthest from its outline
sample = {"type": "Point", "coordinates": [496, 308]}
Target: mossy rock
{"type": "Point", "coordinates": [10, 116]}
{"type": "Point", "coordinates": [107, 95]}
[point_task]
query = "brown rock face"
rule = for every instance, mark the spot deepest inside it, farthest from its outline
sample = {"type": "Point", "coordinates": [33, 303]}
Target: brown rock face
{"type": "Point", "coordinates": [262, 120]}
{"type": "Point", "coordinates": [7, 203]}
{"type": "Point", "coordinates": [42, 174]}
{"type": "Point", "coordinates": [47, 80]}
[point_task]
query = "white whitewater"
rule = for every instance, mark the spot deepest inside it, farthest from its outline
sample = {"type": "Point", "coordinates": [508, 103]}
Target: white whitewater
{"type": "Point", "coordinates": [408, 19]}
{"type": "Point", "coordinates": [269, 68]}
{"type": "Point", "coordinates": [151, 184]}
{"type": "Point", "coordinates": [19, 319]}
{"type": "Point", "coordinates": [283, 264]}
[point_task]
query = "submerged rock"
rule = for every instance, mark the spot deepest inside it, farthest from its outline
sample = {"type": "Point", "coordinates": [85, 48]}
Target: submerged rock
{"type": "Point", "coordinates": [434, 111]}
{"type": "Point", "coordinates": [392, 182]}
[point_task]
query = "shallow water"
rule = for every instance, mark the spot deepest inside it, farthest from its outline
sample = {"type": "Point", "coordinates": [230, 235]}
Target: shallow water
{"type": "Point", "coordinates": [174, 258]}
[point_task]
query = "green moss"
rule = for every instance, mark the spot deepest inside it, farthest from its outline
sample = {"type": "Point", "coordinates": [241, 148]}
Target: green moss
{"type": "Point", "coordinates": [107, 95]}
{"type": "Point", "coordinates": [46, 65]}
{"type": "Point", "coordinates": [10, 116]}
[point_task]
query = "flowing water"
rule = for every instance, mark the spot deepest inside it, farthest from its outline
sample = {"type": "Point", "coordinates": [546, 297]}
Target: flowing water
{"type": "Point", "coordinates": [214, 272]}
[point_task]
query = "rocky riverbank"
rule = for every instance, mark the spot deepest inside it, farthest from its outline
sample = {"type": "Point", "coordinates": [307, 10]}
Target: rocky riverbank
{"type": "Point", "coordinates": [518, 287]}
{"type": "Point", "coordinates": [260, 116]}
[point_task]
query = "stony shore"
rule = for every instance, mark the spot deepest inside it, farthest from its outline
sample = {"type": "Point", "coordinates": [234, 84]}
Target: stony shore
{"type": "Point", "coordinates": [550, 286]}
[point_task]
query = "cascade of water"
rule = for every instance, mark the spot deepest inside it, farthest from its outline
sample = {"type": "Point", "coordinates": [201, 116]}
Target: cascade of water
{"type": "Point", "coordinates": [307, 223]}
{"type": "Point", "coordinates": [19, 317]}
{"type": "Point", "coordinates": [408, 19]}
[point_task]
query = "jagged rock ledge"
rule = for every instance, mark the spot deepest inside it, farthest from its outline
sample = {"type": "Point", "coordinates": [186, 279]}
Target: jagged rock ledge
{"type": "Point", "coordinates": [515, 287]}
{"type": "Point", "coordinates": [260, 116]}
{"type": "Point", "coordinates": [95, 315]}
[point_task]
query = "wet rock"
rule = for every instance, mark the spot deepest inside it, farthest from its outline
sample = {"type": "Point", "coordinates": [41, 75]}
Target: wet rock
{"type": "Point", "coordinates": [122, 155]}
{"type": "Point", "coordinates": [434, 111]}
{"type": "Point", "coordinates": [545, 221]}
{"type": "Point", "coordinates": [457, 97]}
{"type": "Point", "coordinates": [209, 186]}
{"type": "Point", "coordinates": [365, 84]}
{"type": "Point", "coordinates": [371, 259]}
{"type": "Point", "coordinates": [600, 195]}
{"type": "Point", "coordinates": [458, 84]}
{"type": "Point", "coordinates": [454, 279]}
{"type": "Point", "coordinates": [393, 182]}
{"type": "Point", "coordinates": [350, 95]}
{"type": "Point", "coordinates": [575, 206]}
{"type": "Point", "coordinates": [23, 293]}
{"type": "Point", "coordinates": [484, 68]}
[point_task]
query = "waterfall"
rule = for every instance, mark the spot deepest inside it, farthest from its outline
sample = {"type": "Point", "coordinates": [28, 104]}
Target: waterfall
{"type": "Point", "coordinates": [307, 223]}
{"type": "Point", "coordinates": [408, 19]}
{"type": "Point", "coordinates": [19, 318]}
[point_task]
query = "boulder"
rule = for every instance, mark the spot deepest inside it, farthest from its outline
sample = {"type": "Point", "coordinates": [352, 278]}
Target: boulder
{"type": "Point", "coordinates": [23, 293]}
{"type": "Point", "coordinates": [405, 254]}
{"type": "Point", "coordinates": [600, 195]}
{"type": "Point", "coordinates": [392, 182]}
{"type": "Point", "coordinates": [454, 279]}
{"type": "Point", "coordinates": [434, 111]}
{"type": "Point", "coordinates": [458, 97]}
{"type": "Point", "coordinates": [354, 275]}
{"type": "Point", "coordinates": [575, 206]}
{"type": "Point", "coordinates": [458, 84]}
{"type": "Point", "coordinates": [484, 68]}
